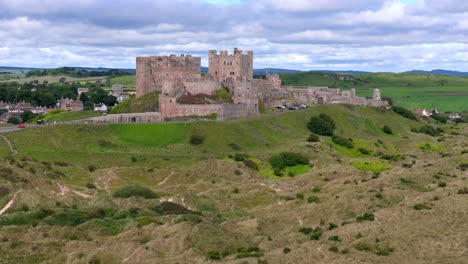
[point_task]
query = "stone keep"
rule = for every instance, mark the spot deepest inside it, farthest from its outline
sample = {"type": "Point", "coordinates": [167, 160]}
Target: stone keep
{"type": "Point", "coordinates": [151, 71]}
{"type": "Point", "coordinates": [224, 67]}
{"type": "Point", "coordinates": [376, 96]}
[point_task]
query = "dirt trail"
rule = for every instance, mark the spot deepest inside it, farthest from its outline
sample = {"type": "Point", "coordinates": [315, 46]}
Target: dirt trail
{"type": "Point", "coordinates": [10, 145]}
{"type": "Point", "coordinates": [64, 189]}
{"type": "Point", "coordinates": [105, 180]}
{"type": "Point", "coordinates": [164, 181]}
{"type": "Point", "coordinates": [9, 204]}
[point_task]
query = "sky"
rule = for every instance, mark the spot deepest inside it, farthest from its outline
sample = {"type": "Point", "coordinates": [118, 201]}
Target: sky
{"type": "Point", "coordinates": [367, 35]}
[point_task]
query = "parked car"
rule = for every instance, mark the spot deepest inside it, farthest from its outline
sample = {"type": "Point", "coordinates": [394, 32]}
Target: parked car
{"type": "Point", "coordinates": [40, 122]}
{"type": "Point", "coordinates": [293, 108]}
{"type": "Point", "coordinates": [281, 107]}
{"type": "Point", "coordinates": [21, 126]}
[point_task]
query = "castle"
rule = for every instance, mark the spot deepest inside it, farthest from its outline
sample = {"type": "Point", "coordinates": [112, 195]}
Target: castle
{"type": "Point", "coordinates": [228, 89]}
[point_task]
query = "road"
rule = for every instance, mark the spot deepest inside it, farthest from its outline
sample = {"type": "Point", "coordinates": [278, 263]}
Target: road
{"type": "Point", "coordinates": [7, 129]}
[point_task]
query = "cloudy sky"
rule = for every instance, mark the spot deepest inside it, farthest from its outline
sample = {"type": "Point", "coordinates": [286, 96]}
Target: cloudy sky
{"type": "Point", "coordinates": [372, 35]}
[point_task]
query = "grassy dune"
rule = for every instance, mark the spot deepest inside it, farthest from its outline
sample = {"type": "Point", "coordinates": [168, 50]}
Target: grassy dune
{"type": "Point", "coordinates": [344, 208]}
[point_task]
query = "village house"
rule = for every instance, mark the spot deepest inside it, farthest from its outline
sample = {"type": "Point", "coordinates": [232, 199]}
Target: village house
{"type": "Point", "coordinates": [102, 108]}
{"type": "Point", "coordinates": [423, 112]}
{"type": "Point", "coordinates": [454, 116]}
{"type": "Point", "coordinates": [81, 90]}
{"type": "Point", "coordinates": [118, 92]}
{"type": "Point", "coordinates": [69, 104]}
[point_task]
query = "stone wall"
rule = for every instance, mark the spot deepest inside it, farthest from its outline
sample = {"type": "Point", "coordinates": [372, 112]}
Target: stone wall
{"type": "Point", "coordinates": [271, 82]}
{"type": "Point", "coordinates": [151, 71]}
{"type": "Point", "coordinates": [149, 117]}
{"type": "Point", "coordinates": [204, 87]}
{"type": "Point", "coordinates": [223, 66]}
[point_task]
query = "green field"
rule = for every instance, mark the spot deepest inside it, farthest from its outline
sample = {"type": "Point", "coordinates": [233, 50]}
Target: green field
{"type": "Point", "coordinates": [128, 81]}
{"type": "Point", "coordinates": [444, 93]}
{"type": "Point", "coordinates": [62, 116]}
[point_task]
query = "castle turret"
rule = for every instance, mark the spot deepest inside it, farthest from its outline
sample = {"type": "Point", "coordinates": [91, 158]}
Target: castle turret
{"type": "Point", "coordinates": [237, 66]}
{"type": "Point", "coordinates": [376, 96]}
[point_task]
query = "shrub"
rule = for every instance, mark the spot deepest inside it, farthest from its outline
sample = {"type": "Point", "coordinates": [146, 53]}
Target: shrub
{"type": "Point", "coordinates": [365, 217]}
{"type": "Point", "coordinates": [135, 191]}
{"type": "Point", "coordinates": [440, 118]}
{"type": "Point", "coordinates": [463, 191]}
{"type": "Point", "coordinates": [287, 159]}
{"type": "Point", "coordinates": [305, 230]}
{"type": "Point", "coordinates": [313, 138]}
{"type": "Point", "coordinates": [363, 247]}
{"type": "Point", "coordinates": [332, 226]}
{"type": "Point", "coordinates": [442, 184]}
{"type": "Point", "coordinates": [236, 190]}
{"type": "Point", "coordinates": [316, 189]}
{"type": "Point", "coordinates": [429, 130]}
{"type": "Point", "coordinates": [196, 139]}
{"type": "Point", "coordinates": [240, 156]}
{"type": "Point", "coordinates": [13, 120]}
{"type": "Point", "coordinates": [387, 130]}
{"type": "Point", "coordinates": [316, 235]}
{"type": "Point", "coordinates": [404, 112]}
{"type": "Point", "coordinates": [321, 125]}
{"type": "Point", "coordinates": [342, 142]}
{"type": "Point", "coordinates": [234, 146]}
{"type": "Point", "coordinates": [251, 164]}
{"type": "Point", "coordinates": [334, 249]}
{"type": "Point", "coordinates": [91, 168]}
{"type": "Point", "coordinates": [313, 199]}
{"type": "Point", "coordinates": [364, 151]}
{"type": "Point", "coordinates": [463, 166]}
{"type": "Point", "coordinates": [422, 206]}
{"type": "Point", "coordinates": [90, 186]}
{"type": "Point", "coordinates": [286, 250]}
{"type": "Point", "coordinates": [334, 238]}
{"type": "Point", "coordinates": [168, 208]}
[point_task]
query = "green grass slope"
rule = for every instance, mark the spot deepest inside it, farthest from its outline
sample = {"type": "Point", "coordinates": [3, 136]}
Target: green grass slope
{"type": "Point", "coordinates": [145, 103]}
{"type": "Point", "coordinates": [395, 203]}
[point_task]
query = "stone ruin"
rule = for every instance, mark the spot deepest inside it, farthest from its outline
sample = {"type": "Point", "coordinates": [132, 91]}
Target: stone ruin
{"type": "Point", "coordinates": [178, 76]}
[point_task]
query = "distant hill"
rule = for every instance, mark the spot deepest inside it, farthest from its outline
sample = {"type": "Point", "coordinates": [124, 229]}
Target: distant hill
{"type": "Point", "coordinates": [440, 72]}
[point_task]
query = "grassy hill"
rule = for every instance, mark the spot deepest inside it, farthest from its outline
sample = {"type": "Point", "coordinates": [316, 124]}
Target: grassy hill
{"type": "Point", "coordinates": [445, 93]}
{"type": "Point", "coordinates": [145, 103]}
{"type": "Point", "coordinates": [128, 81]}
{"type": "Point", "coordinates": [400, 202]}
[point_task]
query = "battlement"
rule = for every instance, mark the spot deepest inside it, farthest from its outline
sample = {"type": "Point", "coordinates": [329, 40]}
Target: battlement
{"type": "Point", "coordinates": [236, 66]}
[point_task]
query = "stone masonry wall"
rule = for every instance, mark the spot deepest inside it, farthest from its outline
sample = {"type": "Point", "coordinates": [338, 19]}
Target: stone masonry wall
{"type": "Point", "coordinates": [149, 117]}
{"type": "Point", "coordinates": [204, 87]}
{"type": "Point", "coordinates": [223, 66]}
{"type": "Point", "coordinates": [151, 71]}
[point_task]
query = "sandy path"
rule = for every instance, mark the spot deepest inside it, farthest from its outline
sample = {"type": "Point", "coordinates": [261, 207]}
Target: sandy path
{"type": "Point", "coordinates": [9, 204]}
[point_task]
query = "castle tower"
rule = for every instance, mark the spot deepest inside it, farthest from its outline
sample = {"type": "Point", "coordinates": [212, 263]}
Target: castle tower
{"type": "Point", "coordinates": [152, 71]}
{"type": "Point", "coordinates": [235, 66]}
{"type": "Point", "coordinates": [376, 96]}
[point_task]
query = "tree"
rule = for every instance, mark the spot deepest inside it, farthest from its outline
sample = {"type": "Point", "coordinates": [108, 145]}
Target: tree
{"type": "Point", "coordinates": [62, 80]}
{"type": "Point", "coordinates": [27, 115]}
{"type": "Point", "coordinates": [321, 125]}
{"type": "Point", "coordinates": [13, 120]}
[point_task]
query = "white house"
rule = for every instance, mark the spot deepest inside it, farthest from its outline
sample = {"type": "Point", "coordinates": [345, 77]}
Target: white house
{"type": "Point", "coordinates": [102, 108]}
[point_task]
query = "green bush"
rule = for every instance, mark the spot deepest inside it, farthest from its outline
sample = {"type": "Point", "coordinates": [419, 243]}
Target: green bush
{"type": "Point", "coordinates": [366, 217]}
{"type": "Point", "coordinates": [90, 186]}
{"type": "Point", "coordinates": [464, 190]}
{"type": "Point", "coordinates": [429, 130]}
{"type": "Point", "coordinates": [363, 247]}
{"type": "Point", "coordinates": [13, 120]}
{"type": "Point", "coordinates": [313, 138]}
{"type": "Point", "coordinates": [387, 130]}
{"type": "Point", "coordinates": [404, 112]}
{"type": "Point", "coordinates": [91, 168]}
{"type": "Point", "coordinates": [313, 199]}
{"type": "Point", "coordinates": [316, 235]}
{"type": "Point", "coordinates": [240, 156]}
{"type": "Point", "coordinates": [196, 139]}
{"type": "Point", "coordinates": [332, 226]}
{"type": "Point", "coordinates": [322, 125]}
{"type": "Point", "coordinates": [442, 184]}
{"type": "Point", "coordinates": [168, 208]}
{"type": "Point", "coordinates": [235, 146]}
{"type": "Point", "coordinates": [364, 151]}
{"type": "Point", "coordinates": [286, 250]}
{"type": "Point", "coordinates": [251, 164]}
{"type": "Point", "coordinates": [334, 249]}
{"type": "Point", "coordinates": [343, 142]}
{"type": "Point", "coordinates": [135, 191]}
{"type": "Point", "coordinates": [334, 238]}
{"type": "Point", "coordinates": [287, 159]}
{"type": "Point", "coordinates": [305, 230]}
{"type": "Point", "coordinates": [422, 206]}
{"type": "Point", "coordinates": [463, 166]}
